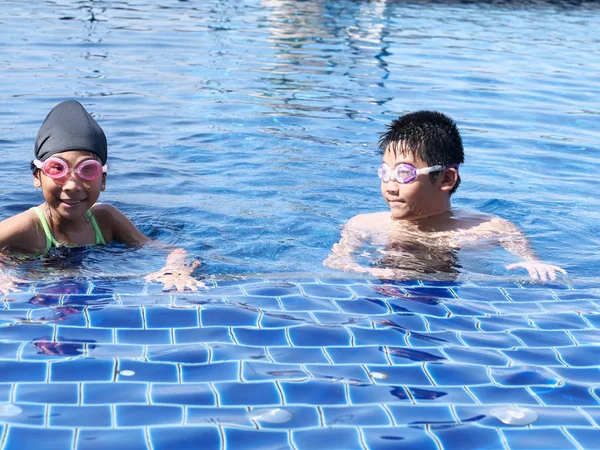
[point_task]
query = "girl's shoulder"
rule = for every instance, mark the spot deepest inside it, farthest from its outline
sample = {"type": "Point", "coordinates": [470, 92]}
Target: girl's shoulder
{"type": "Point", "coordinates": [23, 232]}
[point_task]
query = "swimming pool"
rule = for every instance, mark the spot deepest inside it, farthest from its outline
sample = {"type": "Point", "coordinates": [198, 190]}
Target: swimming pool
{"type": "Point", "coordinates": [246, 133]}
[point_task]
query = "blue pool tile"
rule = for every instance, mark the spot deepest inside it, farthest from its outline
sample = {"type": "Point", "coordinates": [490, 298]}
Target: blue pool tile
{"type": "Point", "coordinates": [581, 306]}
{"type": "Point", "coordinates": [272, 289]}
{"type": "Point", "coordinates": [144, 337]}
{"type": "Point", "coordinates": [285, 319]}
{"type": "Point", "coordinates": [28, 438]}
{"type": "Point", "coordinates": [445, 395]}
{"type": "Point", "coordinates": [64, 286]}
{"type": "Point", "coordinates": [405, 355]}
{"type": "Point", "coordinates": [357, 416]}
{"type": "Point", "coordinates": [533, 356]}
{"type": "Point", "coordinates": [225, 371]}
{"type": "Point", "coordinates": [9, 350]}
{"type": "Point", "coordinates": [314, 393]}
{"type": "Point", "coordinates": [81, 334]}
{"type": "Point", "coordinates": [115, 351]}
{"type": "Point", "coordinates": [435, 292]}
{"type": "Point", "coordinates": [28, 415]}
{"type": "Point", "coordinates": [356, 355]}
{"type": "Point", "coordinates": [168, 317]}
{"type": "Point", "coordinates": [65, 315]}
{"type": "Point", "coordinates": [450, 374]}
{"type": "Point", "coordinates": [147, 415]}
{"type": "Point", "coordinates": [117, 287]}
{"type": "Point", "coordinates": [541, 439]}
{"type": "Point", "coordinates": [62, 393]}
{"type": "Point", "coordinates": [146, 299]}
{"type": "Point", "coordinates": [262, 303]}
{"type": "Point", "coordinates": [455, 323]}
{"type": "Point", "coordinates": [479, 294]}
{"type": "Point", "coordinates": [585, 337]}
{"type": "Point", "coordinates": [22, 371]}
{"type": "Point", "coordinates": [115, 317]}
{"type": "Point", "coordinates": [535, 338]}
{"type": "Point", "coordinates": [319, 336]}
{"type": "Point", "coordinates": [252, 439]}
{"type": "Point", "coordinates": [490, 340]}
{"type": "Point", "coordinates": [327, 291]}
{"type": "Point", "coordinates": [531, 295]}
{"type": "Point", "coordinates": [368, 306]}
{"type": "Point", "coordinates": [339, 318]}
{"type": "Point", "coordinates": [265, 371]}
{"type": "Point", "coordinates": [89, 300]}
{"type": "Point", "coordinates": [407, 306]}
{"type": "Point", "coordinates": [577, 294]}
{"type": "Point", "coordinates": [218, 416]}
{"type": "Point", "coordinates": [587, 438]}
{"type": "Point", "coordinates": [80, 416]}
{"type": "Point", "coordinates": [336, 438]}
{"type": "Point", "coordinates": [298, 355]}
{"type": "Point", "coordinates": [215, 316]}
{"type": "Point", "coordinates": [398, 438]}
{"type": "Point", "coordinates": [559, 322]}
{"type": "Point", "coordinates": [275, 337]}
{"type": "Point", "coordinates": [440, 338]}
{"type": "Point", "coordinates": [412, 415]}
{"type": "Point", "coordinates": [494, 395]}
{"type": "Point", "coordinates": [594, 413]}
{"type": "Point", "coordinates": [565, 395]}
{"type": "Point", "coordinates": [518, 309]}
{"type": "Point", "coordinates": [371, 393]}
{"type": "Point", "coordinates": [400, 375]}
{"type": "Point", "coordinates": [468, 437]}
{"type": "Point", "coordinates": [182, 394]}
{"type": "Point", "coordinates": [582, 356]}
{"type": "Point", "coordinates": [106, 393]}
{"type": "Point", "coordinates": [26, 300]}
{"type": "Point", "coordinates": [184, 354]}
{"type": "Point", "coordinates": [412, 322]}
{"type": "Point", "coordinates": [26, 332]}
{"type": "Point", "coordinates": [304, 303]}
{"type": "Point", "coordinates": [48, 350]}
{"type": "Point", "coordinates": [148, 371]}
{"type": "Point", "coordinates": [203, 334]}
{"type": "Point", "coordinates": [229, 352]}
{"type": "Point", "coordinates": [502, 323]}
{"type": "Point", "coordinates": [349, 373]}
{"type": "Point", "coordinates": [248, 394]}
{"type": "Point", "coordinates": [6, 390]}
{"type": "Point", "coordinates": [377, 336]}
{"type": "Point", "coordinates": [524, 376]}
{"type": "Point", "coordinates": [301, 417]}
{"type": "Point", "coordinates": [85, 369]}
{"type": "Point", "coordinates": [546, 416]}
{"type": "Point", "coordinates": [135, 439]}
{"type": "Point", "coordinates": [184, 438]}
{"type": "Point", "coordinates": [480, 356]}
{"type": "Point", "coordinates": [378, 291]}
{"type": "Point", "coordinates": [588, 375]}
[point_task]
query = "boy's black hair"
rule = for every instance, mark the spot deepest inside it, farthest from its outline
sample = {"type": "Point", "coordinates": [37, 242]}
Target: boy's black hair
{"type": "Point", "coordinates": [429, 135]}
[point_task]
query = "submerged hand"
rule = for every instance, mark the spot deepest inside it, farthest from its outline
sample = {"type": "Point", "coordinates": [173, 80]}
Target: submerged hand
{"type": "Point", "coordinates": [8, 283]}
{"type": "Point", "coordinates": [538, 269]}
{"type": "Point", "coordinates": [177, 277]}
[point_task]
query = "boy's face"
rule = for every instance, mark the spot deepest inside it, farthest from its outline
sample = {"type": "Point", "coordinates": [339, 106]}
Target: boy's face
{"type": "Point", "coordinates": [418, 199]}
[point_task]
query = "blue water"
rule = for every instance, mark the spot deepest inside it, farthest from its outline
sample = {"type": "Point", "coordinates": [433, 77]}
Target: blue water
{"type": "Point", "coordinates": [246, 132]}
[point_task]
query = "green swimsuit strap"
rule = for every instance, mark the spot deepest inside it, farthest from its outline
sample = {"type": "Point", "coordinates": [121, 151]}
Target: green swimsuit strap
{"type": "Point", "coordinates": [99, 237]}
{"type": "Point", "coordinates": [50, 241]}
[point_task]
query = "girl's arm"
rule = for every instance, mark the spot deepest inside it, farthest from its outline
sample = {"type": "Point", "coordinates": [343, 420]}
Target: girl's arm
{"type": "Point", "coordinates": [175, 273]}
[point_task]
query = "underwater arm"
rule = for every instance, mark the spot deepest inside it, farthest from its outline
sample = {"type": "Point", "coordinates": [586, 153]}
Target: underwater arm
{"type": "Point", "coordinates": [514, 241]}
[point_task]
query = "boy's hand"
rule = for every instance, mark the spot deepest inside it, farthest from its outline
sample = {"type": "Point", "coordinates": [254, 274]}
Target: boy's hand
{"type": "Point", "coordinates": [8, 283]}
{"type": "Point", "coordinates": [177, 277]}
{"type": "Point", "coordinates": [538, 270]}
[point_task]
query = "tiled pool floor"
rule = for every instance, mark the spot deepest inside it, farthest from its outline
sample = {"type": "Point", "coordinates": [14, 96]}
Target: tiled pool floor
{"type": "Point", "coordinates": [301, 364]}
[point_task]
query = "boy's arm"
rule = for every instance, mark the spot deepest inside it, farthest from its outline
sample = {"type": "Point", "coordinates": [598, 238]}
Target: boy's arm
{"type": "Point", "coordinates": [515, 242]}
{"type": "Point", "coordinates": [176, 271]}
{"type": "Point", "coordinates": [353, 238]}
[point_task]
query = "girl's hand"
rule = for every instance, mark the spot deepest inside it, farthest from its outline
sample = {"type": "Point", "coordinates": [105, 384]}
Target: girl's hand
{"type": "Point", "coordinates": [538, 270]}
{"type": "Point", "coordinates": [177, 277]}
{"type": "Point", "coordinates": [8, 283]}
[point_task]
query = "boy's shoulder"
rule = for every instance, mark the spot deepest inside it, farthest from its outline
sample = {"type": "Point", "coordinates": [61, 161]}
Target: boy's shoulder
{"type": "Point", "coordinates": [370, 220]}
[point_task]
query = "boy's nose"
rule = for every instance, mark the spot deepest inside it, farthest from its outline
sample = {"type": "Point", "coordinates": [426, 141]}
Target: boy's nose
{"type": "Point", "coordinates": [392, 187]}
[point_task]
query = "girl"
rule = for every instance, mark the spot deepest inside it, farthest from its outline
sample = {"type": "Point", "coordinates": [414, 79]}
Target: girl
{"type": "Point", "coordinates": [70, 169]}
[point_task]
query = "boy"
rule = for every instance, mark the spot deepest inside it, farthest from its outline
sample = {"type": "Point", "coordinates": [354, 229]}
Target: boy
{"type": "Point", "coordinates": [70, 169]}
{"type": "Point", "coordinates": [422, 152]}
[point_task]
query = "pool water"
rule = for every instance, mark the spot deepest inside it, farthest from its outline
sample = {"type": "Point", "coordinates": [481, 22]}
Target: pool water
{"type": "Point", "coordinates": [246, 132]}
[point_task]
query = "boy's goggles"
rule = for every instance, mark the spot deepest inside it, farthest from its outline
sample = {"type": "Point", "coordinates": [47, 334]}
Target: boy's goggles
{"type": "Point", "coordinates": [406, 173]}
{"type": "Point", "coordinates": [56, 168]}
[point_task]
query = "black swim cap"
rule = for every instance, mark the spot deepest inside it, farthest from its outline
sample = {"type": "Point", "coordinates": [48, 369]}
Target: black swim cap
{"type": "Point", "coordinates": [70, 127]}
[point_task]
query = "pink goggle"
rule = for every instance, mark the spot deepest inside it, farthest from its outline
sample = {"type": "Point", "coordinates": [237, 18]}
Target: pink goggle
{"type": "Point", "coordinates": [56, 168]}
{"type": "Point", "coordinates": [406, 173]}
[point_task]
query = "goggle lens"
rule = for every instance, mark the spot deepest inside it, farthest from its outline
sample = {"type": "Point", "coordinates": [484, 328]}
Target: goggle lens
{"type": "Point", "coordinates": [56, 168]}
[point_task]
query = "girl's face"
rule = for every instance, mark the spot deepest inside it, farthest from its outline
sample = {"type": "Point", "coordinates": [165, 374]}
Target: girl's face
{"type": "Point", "coordinates": [70, 196]}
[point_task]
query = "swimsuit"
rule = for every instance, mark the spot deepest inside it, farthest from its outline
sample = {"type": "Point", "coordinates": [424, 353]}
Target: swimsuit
{"type": "Point", "coordinates": [50, 241]}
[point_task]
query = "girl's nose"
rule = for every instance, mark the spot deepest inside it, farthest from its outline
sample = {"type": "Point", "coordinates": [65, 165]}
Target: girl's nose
{"type": "Point", "coordinates": [71, 182]}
